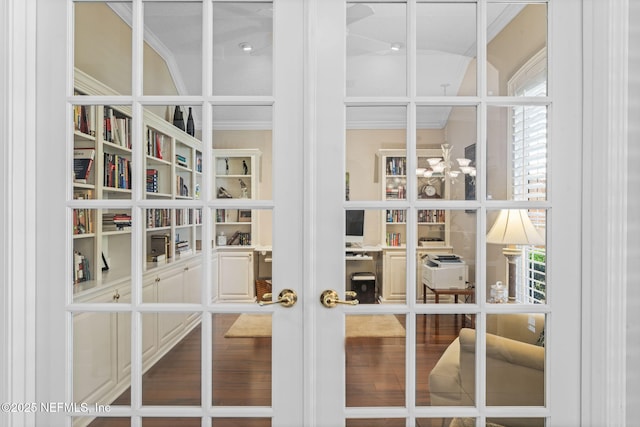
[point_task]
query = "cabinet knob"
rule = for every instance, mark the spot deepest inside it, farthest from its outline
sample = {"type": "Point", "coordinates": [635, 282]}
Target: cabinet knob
{"type": "Point", "coordinates": [157, 279]}
{"type": "Point", "coordinates": [116, 296]}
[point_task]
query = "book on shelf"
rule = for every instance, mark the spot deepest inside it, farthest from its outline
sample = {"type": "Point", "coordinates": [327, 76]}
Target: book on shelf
{"type": "Point", "coordinates": [82, 162]}
{"type": "Point", "coordinates": [81, 270]}
{"type": "Point", "coordinates": [181, 161]}
{"type": "Point", "coordinates": [116, 221]}
{"type": "Point", "coordinates": [83, 119]}
{"type": "Point", "coordinates": [82, 221]}
{"type": "Point", "coordinates": [107, 114]}
{"type": "Point", "coordinates": [155, 143]}
{"type": "Point", "coordinates": [152, 180]}
{"type": "Point", "coordinates": [242, 239]}
{"type": "Point", "coordinates": [117, 171]}
{"type": "Point", "coordinates": [158, 218]}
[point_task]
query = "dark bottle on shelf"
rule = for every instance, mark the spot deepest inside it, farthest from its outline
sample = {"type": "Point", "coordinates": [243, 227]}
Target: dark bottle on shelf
{"type": "Point", "coordinates": [178, 121]}
{"type": "Point", "coordinates": [190, 127]}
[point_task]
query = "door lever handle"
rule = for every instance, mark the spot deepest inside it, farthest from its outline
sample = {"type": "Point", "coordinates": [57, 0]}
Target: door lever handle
{"type": "Point", "coordinates": [287, 298]}
{"type": "Point", "coordinates": [330, 298]}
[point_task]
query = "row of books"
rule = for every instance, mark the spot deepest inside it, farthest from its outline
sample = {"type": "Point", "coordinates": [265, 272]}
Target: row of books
{"type": "Point", "coordinates": [158, 218]}
{"type": "Point", "coordinates": [83, 221]}
{"type": "Point", "coordinates": [155, 143]}
{"type": "Point", "coordinates": [116, 221]}
{"type": "Point", "coordinates": [188, 216]}
{"type": "Point", "coordinates": [396, 166]}
{"type": "Point", "coordinates": [117, 127]}
{"type": "Point", "coordinates": [398, 192]}
{"type": "Point", "coordinates": [396, 215]}
{"type": "Point", "coordinates": [117, 171]}
{"type": "Point", "coordinates": [431, 216]}
{"type": "Point", "coordinates": [83, 119]}
{"type": "Point", "coordinates": [152, 180]}
{"type": "Point", "coordinates": [394, 239]}
{"type": "Point", "coordinates": [81, 270]}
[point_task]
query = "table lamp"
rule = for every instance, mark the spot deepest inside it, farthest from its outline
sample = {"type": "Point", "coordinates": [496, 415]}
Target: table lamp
{"type": "Point", "coordinates": [513, 227]}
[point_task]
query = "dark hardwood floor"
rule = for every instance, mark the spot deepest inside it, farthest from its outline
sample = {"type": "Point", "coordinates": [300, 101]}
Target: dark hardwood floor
{"type": "Point", "coordinates": [242, 375]}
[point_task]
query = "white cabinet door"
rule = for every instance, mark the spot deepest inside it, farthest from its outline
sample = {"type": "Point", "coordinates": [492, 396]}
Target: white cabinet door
{"type": "Point", "coordinates": [235, 276]}
{"type": "Point", "coordinates": [94, 356]}
{"type": "Point", "coordinates": [149, 333]}
{"type": "Point", "coordinates": [170, 290]}
{"type": "Point", "coordinates": [394, 277]}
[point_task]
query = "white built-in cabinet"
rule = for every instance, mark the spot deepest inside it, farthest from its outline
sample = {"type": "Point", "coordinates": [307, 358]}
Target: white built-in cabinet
{"type": "Point", "coordinates": [433, 225]}
{"type": "Point", "coordinates": [237, 174]}
{"type": "Point", "coordinates": [102, 341]}
{"type": "Point", "coordinates": [235, 275]}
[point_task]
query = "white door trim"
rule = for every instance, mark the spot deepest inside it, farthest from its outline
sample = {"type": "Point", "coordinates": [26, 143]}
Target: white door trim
{"type": "Point", "coordinates": [605, 36]}
{"type": "Point", "coordinates": [17, 209]}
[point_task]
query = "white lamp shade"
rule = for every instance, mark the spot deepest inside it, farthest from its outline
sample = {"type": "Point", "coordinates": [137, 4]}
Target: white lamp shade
{"type": "Point", "coordinates": [513, 227]}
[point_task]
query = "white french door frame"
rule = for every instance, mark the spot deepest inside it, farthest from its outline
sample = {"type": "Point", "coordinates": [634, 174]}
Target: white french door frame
{"type": "Point", "coordinates": [26, 375]}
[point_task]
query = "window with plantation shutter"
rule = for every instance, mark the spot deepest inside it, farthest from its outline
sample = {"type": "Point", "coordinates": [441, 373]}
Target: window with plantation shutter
{"type": "Point", "coordinates": [529, 169]}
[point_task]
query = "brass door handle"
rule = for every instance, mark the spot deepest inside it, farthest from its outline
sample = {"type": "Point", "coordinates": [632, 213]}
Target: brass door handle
{"type": "Point", "coordinates": [330, 298]}
{"type": "Point", "coordinates": [286, 297]}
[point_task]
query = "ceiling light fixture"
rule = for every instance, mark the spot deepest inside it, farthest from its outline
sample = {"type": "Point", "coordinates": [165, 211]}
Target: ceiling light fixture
{"type": "Point", "coordinates": [396, 46]}
{"type": "Point", "coordinates": [246, 47]}
{"type": "Point", "coordinates": [442, 166]}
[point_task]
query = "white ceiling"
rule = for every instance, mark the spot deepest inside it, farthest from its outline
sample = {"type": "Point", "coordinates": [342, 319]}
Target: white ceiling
{"type": "Point", "coordinates": [446, 43]}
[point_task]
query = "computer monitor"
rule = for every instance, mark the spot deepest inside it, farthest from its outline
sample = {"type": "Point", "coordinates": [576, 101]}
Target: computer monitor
{"type": "Point", "coordinates": [354, 227]}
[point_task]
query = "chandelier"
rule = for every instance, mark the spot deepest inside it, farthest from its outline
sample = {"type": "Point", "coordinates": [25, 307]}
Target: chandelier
{"type": "Point", "coordinates": [442, 167]}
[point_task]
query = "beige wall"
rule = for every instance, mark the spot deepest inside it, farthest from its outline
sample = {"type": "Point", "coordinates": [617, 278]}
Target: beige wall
{"type": "Point", "coordinates": [102, 49]}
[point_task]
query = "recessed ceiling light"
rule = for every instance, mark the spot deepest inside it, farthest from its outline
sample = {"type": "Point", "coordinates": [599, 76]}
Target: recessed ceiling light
{"type": "Point", "coordinates": [396, 46]}
{"type": "Point", "coordinates": [246, 47]}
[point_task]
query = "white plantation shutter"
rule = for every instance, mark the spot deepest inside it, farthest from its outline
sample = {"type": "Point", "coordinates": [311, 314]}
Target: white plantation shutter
{"type": "Point", "coordinates": [529, 169]}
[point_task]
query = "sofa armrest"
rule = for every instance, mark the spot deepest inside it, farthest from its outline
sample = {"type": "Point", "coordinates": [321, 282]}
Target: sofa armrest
{"type": "Point", "coordinates": [505, 349]}
{"type": "Point", "coordinates": [514, 370]}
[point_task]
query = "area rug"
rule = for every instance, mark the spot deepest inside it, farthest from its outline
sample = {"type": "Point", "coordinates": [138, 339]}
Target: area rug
{"type": "Point", "coordinates": [380, 325]}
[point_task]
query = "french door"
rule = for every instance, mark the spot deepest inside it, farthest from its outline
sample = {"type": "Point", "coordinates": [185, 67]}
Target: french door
{"type": "Point", "coordinates": [228, 143]}
{"type": "Point", "coordinates": [406, 91]}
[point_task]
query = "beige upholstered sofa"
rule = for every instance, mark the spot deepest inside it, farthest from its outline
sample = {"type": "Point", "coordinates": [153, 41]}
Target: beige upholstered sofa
{"type": "Point", "coordinates": [515, 366]}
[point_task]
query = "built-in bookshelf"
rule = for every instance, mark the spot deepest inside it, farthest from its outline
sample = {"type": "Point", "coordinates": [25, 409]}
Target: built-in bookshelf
{"type": "Point", "coordinates": [103, 169]}
{"type": "Point", "coordinates": [236, 177]}
{"type": "Point", "coordinates": [433, 230]}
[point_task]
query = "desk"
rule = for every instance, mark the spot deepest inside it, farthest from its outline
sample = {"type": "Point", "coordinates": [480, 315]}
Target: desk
{"type": "Point", "coordinates": [467, 292]}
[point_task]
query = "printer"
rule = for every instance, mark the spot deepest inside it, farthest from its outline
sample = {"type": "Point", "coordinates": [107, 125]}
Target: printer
{"type": "Point", "coordinates": [444, 271]}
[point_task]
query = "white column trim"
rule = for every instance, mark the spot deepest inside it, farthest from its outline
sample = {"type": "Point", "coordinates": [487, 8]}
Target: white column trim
{"type": "Point", "coordinates": [17, 209]}
{"type": "Point", "coordinates": [605, 212]}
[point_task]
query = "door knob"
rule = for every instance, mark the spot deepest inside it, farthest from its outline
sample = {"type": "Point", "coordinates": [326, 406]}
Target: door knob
{"type": "Point", "coordinates": [330, 298]}
{"type": "Point", "coordinates": [287, 298]}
